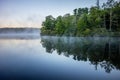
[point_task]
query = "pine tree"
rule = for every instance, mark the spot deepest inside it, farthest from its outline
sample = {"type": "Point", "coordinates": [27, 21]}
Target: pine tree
{"type": "Point", "coordinates": [98, 5]}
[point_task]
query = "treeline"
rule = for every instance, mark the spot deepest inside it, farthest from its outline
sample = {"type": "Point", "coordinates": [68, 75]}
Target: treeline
{"type": "Point", "coordinates": [97, 20]}
{"type": "Point", "coordinates": [19, 30]}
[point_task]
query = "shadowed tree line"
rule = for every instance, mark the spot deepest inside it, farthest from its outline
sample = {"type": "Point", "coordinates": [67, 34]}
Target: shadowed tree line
{"type": "Point", "coordinates": [97, 20]}
{"type": "Point", "coordinates": [19, 30]}
{"type": "Point", "coordinates": [104, 52]}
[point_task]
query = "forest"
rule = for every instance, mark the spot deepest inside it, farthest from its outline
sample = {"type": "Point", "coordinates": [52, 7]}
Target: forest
{"type": "Point", "coordinates": [97, 20]}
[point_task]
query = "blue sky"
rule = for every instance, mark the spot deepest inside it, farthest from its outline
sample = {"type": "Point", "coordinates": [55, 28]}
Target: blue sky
{"type": "Point", "coordinates": [25, 13]}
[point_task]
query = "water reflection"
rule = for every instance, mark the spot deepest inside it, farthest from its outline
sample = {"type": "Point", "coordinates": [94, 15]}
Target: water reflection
{"type": "Point", "coordinates": [103, 52]}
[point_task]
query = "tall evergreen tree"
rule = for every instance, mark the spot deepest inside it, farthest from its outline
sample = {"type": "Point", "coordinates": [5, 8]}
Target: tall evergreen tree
{"type": "Point", "coordinates": [98, 5]}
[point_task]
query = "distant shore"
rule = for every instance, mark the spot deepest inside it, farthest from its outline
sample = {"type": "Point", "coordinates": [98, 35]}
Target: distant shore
{"type": "Point", "coordinates": [19, 30]}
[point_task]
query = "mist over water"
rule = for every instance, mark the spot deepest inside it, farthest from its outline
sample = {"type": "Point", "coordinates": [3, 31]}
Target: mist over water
{"type": "Point", "coordinates": [25, 55]}
{"type": "Point", "coordinates": [19, 33]}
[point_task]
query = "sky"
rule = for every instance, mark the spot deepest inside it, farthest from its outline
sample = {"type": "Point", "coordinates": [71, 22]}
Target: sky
{"type": "Point", "coordinates": [31, 13]}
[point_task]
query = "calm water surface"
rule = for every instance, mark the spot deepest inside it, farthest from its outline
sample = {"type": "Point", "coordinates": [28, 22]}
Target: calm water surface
{"type": "Point", "coordinates": [59, 58]}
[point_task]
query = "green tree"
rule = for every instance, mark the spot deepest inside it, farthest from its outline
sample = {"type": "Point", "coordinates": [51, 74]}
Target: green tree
{"type": "Point", "coordinates": [116, 17]}
{"type": "Point", "coordinates": [108, 6]}
{"type": "Point", "coordinates": [49, 23]}
{"type": "Point", "coordinates": [68, 23]}
{"type": "Point", "coordinates": [59, 26]}
{"type": "Point", "coordinates": [85, 21]}
{"type": "Point", "coordinates": [82, 11]}
{"type": "Point", "coordinates": [75, 12]}
{"type": "Point", "coordinates": [82, 24]}
{"type": "Point", "coordinates": [95, 17]}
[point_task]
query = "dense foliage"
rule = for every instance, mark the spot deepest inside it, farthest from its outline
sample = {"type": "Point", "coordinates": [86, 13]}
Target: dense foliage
{"type": "Point", "coordinates": [98, 20]}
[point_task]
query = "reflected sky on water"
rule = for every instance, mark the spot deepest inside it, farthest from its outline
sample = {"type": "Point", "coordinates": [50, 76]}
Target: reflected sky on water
{"type": "Point", "coordinates": [60, 58]}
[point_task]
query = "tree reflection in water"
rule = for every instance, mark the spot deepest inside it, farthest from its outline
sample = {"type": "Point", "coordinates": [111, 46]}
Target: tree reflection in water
{"type": "Point", "coordinates": [99, 51]}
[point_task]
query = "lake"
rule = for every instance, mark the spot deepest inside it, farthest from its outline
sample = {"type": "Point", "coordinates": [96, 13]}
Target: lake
{"type": "Point", "coordinates": [35, 57]}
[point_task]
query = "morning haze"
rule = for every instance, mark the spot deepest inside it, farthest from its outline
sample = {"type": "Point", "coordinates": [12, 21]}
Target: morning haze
{"type": "Point", "coordinates": [31, 13]}
{"type": "Point", "coordinates": [59, 40]}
